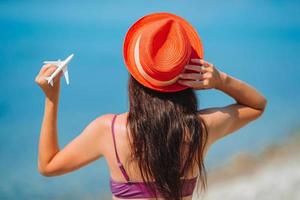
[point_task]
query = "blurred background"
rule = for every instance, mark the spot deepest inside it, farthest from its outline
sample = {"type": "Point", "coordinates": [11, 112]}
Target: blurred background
{"type": "Point", "coordinates": [255, 41]}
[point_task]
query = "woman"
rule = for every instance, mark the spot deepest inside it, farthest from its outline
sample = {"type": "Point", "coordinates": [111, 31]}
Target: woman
{"type": "Point", "coordinates": [157, 149]}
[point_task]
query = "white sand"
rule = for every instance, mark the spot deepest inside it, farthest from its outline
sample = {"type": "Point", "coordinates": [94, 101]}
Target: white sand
{"type": "Point", "coordinates": [274, 175]}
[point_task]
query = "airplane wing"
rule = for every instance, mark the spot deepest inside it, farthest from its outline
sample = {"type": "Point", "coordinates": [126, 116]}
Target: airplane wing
{"type": "Point", "coordinates": [56, 63]}
{"type": "Point", "coordinates": [66, 74]}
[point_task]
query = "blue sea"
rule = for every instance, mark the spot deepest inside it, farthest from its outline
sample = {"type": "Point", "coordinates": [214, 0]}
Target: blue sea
{"type": "Point", "coordinates": [255, 41]}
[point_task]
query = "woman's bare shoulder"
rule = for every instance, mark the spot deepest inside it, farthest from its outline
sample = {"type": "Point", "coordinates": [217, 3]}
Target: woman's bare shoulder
{"type": "Point", "coordinates": [106, 119]}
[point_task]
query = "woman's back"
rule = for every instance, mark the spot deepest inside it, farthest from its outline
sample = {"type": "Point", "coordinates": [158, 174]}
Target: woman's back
{"type": "Point", "coordinates": [122, 141]}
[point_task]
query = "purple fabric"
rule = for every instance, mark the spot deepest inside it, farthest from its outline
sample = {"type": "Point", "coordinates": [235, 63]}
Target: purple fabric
{"type": "Point", "coordinates": [133, 190]}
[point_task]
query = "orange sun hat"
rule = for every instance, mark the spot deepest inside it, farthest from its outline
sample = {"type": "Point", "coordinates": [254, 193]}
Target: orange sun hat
{"type": "Point", "coordinates": [156, 49]}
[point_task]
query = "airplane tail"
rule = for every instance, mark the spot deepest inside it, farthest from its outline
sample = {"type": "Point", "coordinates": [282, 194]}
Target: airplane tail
{"type": "Point", "coordinates": [49, 80]}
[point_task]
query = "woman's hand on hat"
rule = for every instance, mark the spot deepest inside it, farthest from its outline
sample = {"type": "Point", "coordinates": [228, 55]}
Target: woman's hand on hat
{"type": "Point", "coordinates": [205, 75]}
{"type": "Point", "coordinates": [49, 91]}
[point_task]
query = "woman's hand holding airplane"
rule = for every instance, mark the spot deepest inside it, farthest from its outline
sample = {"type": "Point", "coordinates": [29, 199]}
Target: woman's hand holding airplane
{"type": "Point", "coordinates": [50, 92]}
{"type": "Point", "coordinates": [205, 75]}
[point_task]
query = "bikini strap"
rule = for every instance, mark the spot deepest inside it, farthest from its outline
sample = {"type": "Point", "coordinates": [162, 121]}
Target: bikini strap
{"type": "Point", "coordinates": [120, 165]}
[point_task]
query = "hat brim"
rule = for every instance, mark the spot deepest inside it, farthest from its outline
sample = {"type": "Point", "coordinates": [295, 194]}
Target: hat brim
{"type": "Point", "coordinates": [131, 38]}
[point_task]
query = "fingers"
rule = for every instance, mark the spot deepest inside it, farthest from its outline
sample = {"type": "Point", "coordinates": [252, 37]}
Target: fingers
{"type": "Point", "coordinates": [194, 84]}
{"type": "Point", "coordinates": [46, 70]}
{"type": "Point", "coordinates": [196, 68]}
{"type": "Point", "coordinates": [200, 78]}
{"type": "Point", "coordinates": [49, 71]}
{"type": "Point", "coordinates": [198, 61]}
{"type": "Point", "coordinates": [201, 62]}
{"type": "Point", "coordinates": [194, 76]}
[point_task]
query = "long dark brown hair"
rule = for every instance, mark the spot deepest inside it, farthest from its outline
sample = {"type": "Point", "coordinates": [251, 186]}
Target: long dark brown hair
{"type": "Point", "coordinates": [161, 124]}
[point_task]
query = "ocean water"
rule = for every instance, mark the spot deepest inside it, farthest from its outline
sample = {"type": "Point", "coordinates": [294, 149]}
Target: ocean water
{"type": "Point", "coordinates": [255, 41]}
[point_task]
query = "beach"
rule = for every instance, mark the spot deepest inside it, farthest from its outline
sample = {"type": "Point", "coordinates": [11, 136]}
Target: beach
{"type": "Point", "coordinates": [254, 41]}
{"type": "Point", "coordinates": [273, 174]}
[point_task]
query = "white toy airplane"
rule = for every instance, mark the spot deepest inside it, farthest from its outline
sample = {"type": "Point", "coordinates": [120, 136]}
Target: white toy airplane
{"type": "Point", "coordinates": [61, 66]}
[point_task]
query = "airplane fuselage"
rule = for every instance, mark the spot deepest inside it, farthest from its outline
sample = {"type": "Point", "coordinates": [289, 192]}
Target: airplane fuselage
{"type": "Point", "coordinates": [61, 67]}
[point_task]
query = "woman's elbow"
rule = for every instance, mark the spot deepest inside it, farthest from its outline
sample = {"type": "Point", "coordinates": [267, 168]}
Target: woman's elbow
{"type": "Point", "coordinates": [45, 171]}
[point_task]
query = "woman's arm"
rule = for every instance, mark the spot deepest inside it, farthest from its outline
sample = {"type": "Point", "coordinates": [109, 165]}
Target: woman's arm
{"type": "Point", "coordinates": [241, 92]}
{"type": "Point", "coordinates": [250, 104]}
{"type": "Point", "coordinates": [48, 144]}
{"type": "Point", "coordinates": [85, 148]}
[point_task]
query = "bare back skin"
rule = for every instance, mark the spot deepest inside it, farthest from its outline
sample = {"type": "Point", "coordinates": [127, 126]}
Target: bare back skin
{"type": "Point", "coordinates": [123, 148]}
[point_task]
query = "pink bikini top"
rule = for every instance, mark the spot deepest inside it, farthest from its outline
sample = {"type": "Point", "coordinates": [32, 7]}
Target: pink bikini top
{"type": "Point", "coordinates": [135, 189]}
